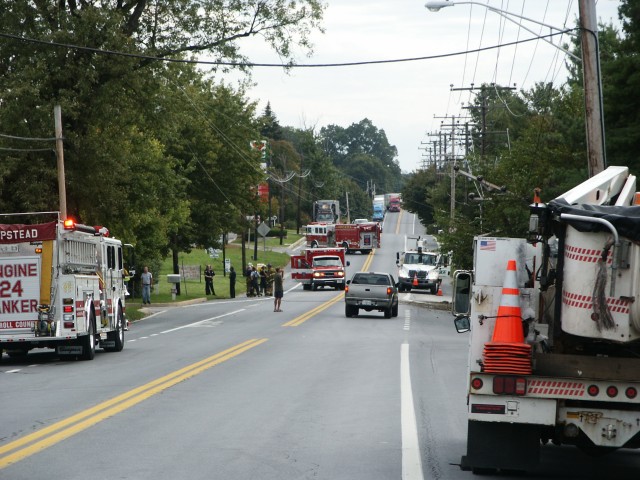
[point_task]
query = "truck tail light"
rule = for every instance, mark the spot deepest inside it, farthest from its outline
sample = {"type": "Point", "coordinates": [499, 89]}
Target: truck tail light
{"type": "Point", "coordinates": [477, 383]}
{"type": "Point", "coordinates": [509, 385]}
{"type": "Point", "coordinates": [389, 290]}
{"type": "Point", "coordinates": [612, 391]}
{"type": "Point", "coordinates": [346, 288]}
{"type": "Point", "coordinates": [593, 390]}
{"type": "Point", "coordinates": [631, 392]}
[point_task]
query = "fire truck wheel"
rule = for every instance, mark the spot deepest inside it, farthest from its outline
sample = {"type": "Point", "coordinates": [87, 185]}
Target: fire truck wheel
{"type": "Point", "coordinates": [89, 341]}
{"type": "Point", "coordinates": [117, 336]}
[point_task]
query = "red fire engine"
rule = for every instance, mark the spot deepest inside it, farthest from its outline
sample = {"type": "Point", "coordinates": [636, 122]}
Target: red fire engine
{"type": "Point", "coordinates": [358, 236]}
{"type": "Point", "coordinates": [316, 267]}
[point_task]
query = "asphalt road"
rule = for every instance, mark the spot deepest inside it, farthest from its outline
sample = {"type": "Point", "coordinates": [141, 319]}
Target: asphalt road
{"type": "Point", "coordinates": [233, 390]}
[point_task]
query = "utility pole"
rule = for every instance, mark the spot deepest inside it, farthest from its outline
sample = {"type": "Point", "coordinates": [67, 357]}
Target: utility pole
{"type": "Point", "coordinates": [62, 189]}
{"type": "Point", "coordinates": [594, 116]}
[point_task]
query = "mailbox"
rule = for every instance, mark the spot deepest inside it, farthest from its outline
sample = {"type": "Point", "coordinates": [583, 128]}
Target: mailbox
{"type": "Point", "coordinates": [174, 279]}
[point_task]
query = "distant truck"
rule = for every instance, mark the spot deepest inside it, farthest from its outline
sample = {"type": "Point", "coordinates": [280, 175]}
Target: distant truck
{"type": "Point", "coordinates": [320, 267]}
{"type": "Point", "coordinates": [417, 267]}
{"type": "Point", "coordinates": [395, 202]}
{"type": "Point", "coordinates": [326, 211]}
{"type": "Point", "coordinates": [378, 212]}
{"type": "Point", "coordinates": [371, 291]}
{"type": "Point", "coordinates": [362, 237]}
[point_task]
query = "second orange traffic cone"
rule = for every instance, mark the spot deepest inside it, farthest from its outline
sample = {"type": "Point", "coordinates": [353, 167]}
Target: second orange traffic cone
{"type": "Point", "coordinates": [415, 280]}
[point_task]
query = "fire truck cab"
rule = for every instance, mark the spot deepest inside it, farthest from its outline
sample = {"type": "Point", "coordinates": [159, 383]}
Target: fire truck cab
{"type": "Point", "coordinates": [319, 267]}
{"type": "Point", "coordinates": [362, 237]}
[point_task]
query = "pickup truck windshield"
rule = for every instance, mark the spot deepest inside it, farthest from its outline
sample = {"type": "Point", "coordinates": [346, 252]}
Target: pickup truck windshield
{"type": "Point", "coordinates": [423, 258]}
{"type": "Point", "coordinates": [370, 279]}
{"type": "Point", "coordinates": [327, 262]}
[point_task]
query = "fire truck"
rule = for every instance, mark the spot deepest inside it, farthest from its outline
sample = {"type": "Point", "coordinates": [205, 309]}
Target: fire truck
{"type": "Point", "coordinates": [554, 321]}
{"type": "Point", "coordinates": [319, 267]}
{"type": "Point", "coordinates": [61, 287]}
{"type": "Point", "coordinates": [362, 237]}
{"type": "Point", "coordinates": [320, 235]}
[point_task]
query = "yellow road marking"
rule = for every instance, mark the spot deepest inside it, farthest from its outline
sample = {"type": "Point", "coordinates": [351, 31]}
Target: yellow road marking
{"type": "Point", "coordinates": [42, 439]}
{"type": "Point", "coordinates": [314, 311]}
{"type": "Point", "coordinates": [398, 222]}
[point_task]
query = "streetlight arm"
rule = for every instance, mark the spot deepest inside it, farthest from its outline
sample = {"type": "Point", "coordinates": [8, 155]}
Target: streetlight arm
{"type": "Point", "coordinates": [435, 6]}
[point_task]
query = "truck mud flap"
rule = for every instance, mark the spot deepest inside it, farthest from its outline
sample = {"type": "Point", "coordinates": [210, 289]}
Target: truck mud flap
{"type": "Point", "coordinates": [501, 446]}
{"type": "Point", "coordinates": [69, 350]}
{"type": "Point", "coordinates": [108, 343]}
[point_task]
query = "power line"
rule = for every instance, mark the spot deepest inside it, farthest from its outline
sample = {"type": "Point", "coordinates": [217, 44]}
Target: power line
{"type": "Point", "coordinates": [280, 65]}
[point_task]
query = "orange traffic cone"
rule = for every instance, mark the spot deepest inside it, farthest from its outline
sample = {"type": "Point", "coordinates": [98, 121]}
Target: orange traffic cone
{"type": "Point", "coordinates": [508, 327]}
{"type": "Point", "coordinates": [439, 292]}
{"type": "Point", "coordinates": [507, 352]}
{"type": "Point", "coordinates": [415, 279]}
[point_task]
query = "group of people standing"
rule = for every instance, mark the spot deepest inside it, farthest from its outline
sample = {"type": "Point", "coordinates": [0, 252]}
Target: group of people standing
{"type": "Point", "coordinates": [265, 281]}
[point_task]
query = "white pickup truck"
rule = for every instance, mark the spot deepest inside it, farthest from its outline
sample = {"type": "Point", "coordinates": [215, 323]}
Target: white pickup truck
{"type": "Point", "coordinates": [371, 291]}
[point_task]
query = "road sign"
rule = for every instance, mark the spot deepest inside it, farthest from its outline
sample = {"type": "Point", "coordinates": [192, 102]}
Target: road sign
{"type": "Point", "coordinates": [263, 229]}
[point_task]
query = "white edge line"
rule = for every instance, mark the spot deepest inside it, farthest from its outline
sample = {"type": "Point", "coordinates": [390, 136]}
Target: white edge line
{"type": "Point", "coordinates": [411, 459]}
{"type": "Point", "coordinates": [201, 321]}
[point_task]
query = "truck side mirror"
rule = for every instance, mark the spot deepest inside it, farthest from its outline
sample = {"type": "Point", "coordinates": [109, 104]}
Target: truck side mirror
{"type": "Point", "coordinates": [461, 301]}
{"type": "Point", "coordinates": [462, 323]}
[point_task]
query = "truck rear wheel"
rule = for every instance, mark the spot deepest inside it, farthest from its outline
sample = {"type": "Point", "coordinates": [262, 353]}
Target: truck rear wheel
{"type": "Point", "coordinates": [350, 311]}
{"type": "Point", "coordinates": [394, 311]}
{"type": "Point", "coordinates": [388, 313]}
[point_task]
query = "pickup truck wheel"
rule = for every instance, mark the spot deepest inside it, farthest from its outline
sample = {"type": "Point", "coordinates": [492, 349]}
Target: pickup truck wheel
{"type": "Point", "coordinates": [388, 313]}
{"type": "Point", "coordinates": [394, 311]}
{"type": "Point", "coordinates": [306, 286]}
{"type": "Point", "coordinates": [434, 289]}
{"type": "Point", "coordinates": [341, 286]}
{"type": "Point", "coordinates": [314, 287]}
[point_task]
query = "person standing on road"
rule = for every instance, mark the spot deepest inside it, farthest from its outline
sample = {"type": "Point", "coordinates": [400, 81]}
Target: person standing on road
{"type": "Point", "coordinates": [208, 280]}
{"type": "Point", "coordinates": [278, 290]}
{"type": "Point", "coordinates": [232, 282]}
{"type": "Point", "coordinates": [263, 280]}
{"type": "Point", "coordinates": [147, 281]}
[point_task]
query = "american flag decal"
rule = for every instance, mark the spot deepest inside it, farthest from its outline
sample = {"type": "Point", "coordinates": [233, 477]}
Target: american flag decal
{"type": "Point", "coordinates": [489, 245]}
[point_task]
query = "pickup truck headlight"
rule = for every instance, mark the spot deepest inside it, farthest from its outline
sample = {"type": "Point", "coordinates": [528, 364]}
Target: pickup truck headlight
{"type": "Point", "coordinates": [318, 274]}
{"type": "Point", "coordinates": [340, 274]}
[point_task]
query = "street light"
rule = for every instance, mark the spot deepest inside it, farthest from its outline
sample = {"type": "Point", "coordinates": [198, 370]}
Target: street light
{"type": "Point", "coordinates": [435, 6]}
{"type": "Point", "coordinates": [590, 65]}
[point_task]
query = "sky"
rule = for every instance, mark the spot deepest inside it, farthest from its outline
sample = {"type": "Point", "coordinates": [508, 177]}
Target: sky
{"type": "Point", "coordinates": [410, 100]}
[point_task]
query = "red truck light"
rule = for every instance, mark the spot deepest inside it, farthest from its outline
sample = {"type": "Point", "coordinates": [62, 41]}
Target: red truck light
{"type": "Point", "coordinates": [389, 290]}
{"type": "Point", "coordinates": [69, 224]}
{"type": "Point", "coordinates": [346, 288]}
{"type": "Point", "coordinates": [476, 383]}
{"type": "Point", "coordinates": [612, 391]}
{"type": "Point", "coordinates": [631, 392]}
{"type": "Point", "coordinates": [510, 385]}
{"type": "Point", "coordinates": [593, 390]}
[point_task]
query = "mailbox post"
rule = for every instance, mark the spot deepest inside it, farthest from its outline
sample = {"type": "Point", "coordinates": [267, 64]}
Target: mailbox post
{"type": "Point", "coordinates": [174, 280]}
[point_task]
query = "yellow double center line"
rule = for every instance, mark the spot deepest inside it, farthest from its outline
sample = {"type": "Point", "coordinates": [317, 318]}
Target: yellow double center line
{"type": "Point", "coordinates": [42, 439]}
{"type": "Point", "coordinates": [314, 311]}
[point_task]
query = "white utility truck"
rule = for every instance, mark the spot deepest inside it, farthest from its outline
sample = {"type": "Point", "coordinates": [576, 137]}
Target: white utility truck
{"type": "Point", "coordinates": [565, 368]}
{"type": "Point", "coordinates": [61, 287]}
